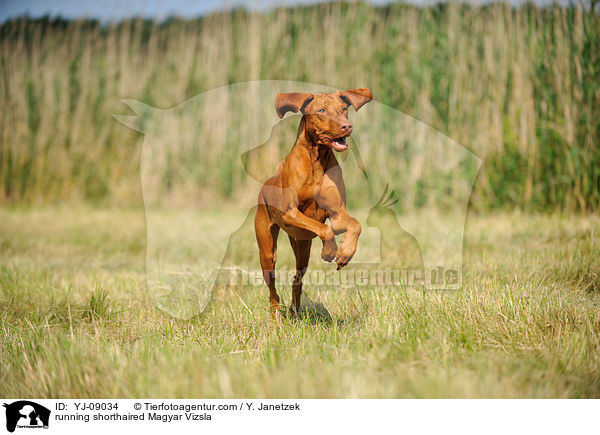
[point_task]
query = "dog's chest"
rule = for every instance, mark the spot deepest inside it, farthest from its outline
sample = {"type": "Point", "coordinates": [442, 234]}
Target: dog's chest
{"type": "Point", "coordinates": [313, 184]}
{"type": "Point", "coordinates": [309, 192]}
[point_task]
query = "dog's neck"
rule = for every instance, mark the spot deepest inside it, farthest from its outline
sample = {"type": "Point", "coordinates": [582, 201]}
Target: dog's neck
{"type": "Point", "coordinates": [319, 154]}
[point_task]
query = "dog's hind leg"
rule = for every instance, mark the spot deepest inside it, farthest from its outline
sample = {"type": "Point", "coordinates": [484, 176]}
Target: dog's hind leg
{"type": "Point", "coordinates": [266, 236]}
{"type": "Point", "coordinates": [302, 252]}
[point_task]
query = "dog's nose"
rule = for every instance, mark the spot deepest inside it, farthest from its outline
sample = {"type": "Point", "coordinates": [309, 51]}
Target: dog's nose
{"type": "Point", "coordinates": [346, 127]}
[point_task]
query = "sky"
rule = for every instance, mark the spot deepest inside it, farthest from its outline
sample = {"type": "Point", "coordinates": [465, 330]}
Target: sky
{"type": "Point", "coordinates": [114, 10]}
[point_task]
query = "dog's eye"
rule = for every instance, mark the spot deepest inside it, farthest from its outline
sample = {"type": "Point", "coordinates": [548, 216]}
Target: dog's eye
{"type": "Point", "coordinates": [322, 110]}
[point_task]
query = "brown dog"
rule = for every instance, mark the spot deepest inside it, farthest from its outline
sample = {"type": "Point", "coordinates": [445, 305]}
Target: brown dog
{"type": "Point", "coordinates": [309, 188]}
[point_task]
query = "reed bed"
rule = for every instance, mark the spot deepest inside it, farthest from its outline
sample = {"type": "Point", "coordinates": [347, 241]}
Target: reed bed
{"type": "Point", "coordinates": [520, 87]}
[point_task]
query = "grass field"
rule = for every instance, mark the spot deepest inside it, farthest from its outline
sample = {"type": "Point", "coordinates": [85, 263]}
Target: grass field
{"type": "Point", "coordinates": [76, 320]}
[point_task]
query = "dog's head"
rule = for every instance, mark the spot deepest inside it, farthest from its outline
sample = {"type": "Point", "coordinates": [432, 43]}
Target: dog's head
{"type": "Point", "coordinates": [325, 115]}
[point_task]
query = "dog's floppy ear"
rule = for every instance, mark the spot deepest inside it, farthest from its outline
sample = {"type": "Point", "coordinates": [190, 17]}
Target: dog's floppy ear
{"type": "Point", "coordinates": [291, 102]}
{"type": "Point", "coordinates": [357, 97]}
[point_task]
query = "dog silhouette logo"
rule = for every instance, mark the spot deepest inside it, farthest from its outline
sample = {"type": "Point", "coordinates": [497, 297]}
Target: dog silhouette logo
{"type": "Point", "coordinates": [204, 161]}
{"type": "Point", "coordinates": [26, 414]}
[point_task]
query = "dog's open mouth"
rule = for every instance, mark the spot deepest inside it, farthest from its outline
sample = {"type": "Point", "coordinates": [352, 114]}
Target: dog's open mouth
{"type": "Point", "coordinates": [339, 144]}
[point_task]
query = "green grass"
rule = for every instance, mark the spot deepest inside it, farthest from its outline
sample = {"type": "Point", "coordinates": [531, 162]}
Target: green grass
{"type": "Point", "coordinates": [76, 320]}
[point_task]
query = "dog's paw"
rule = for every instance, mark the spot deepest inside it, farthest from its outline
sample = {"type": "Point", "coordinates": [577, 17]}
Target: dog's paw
{"type": "Point", "coordinates": [343, 256]}
{"type": "Point", "coordinates": [329, 250]}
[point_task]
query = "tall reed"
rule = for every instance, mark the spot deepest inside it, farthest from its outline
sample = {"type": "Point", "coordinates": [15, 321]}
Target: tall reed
{"type": "Point", "coordinates": [519, 87]}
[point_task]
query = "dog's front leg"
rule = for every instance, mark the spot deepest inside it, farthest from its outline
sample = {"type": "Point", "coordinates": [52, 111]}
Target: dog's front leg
{"type": "Point", "coordinates": [296, 218]}
{"type": "Point", "coordinates": [292, 216]}
{"type": "Point", "coordinates": [342, 222]}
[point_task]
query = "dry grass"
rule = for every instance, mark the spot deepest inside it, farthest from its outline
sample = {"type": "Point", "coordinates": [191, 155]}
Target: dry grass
{"type": "Point", "coordinates": [76, 320]}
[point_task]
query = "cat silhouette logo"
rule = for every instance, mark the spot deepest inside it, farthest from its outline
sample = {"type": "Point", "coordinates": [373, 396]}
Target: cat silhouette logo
{"type": "Point", "coordinates": [26, 414]}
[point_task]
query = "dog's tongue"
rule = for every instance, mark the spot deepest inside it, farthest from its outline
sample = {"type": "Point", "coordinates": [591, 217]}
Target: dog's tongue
{"type": "Point", "coordinates": [340, 144]}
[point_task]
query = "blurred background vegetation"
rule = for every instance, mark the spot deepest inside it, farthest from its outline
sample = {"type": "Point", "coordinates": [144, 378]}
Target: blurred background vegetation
{"type": "Point", "coordinates": [520, 87]}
